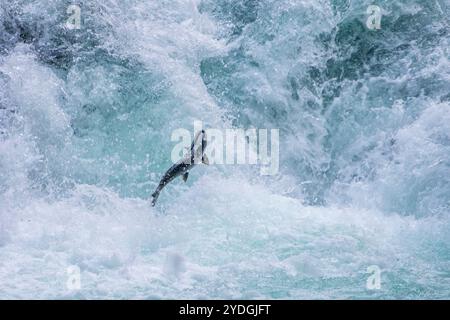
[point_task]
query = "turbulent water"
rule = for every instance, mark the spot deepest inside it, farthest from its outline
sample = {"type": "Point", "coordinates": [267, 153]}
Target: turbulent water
{"type": "Point", "coordinates": [86, 117]}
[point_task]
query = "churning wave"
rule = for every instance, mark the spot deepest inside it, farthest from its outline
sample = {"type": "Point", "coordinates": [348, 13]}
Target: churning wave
{"type": "Point", "coordinates": [86, 117]}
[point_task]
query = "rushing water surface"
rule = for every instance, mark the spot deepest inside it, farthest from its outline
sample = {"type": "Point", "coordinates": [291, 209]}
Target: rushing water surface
{"type": "Point", "coordinates": [86, 117]}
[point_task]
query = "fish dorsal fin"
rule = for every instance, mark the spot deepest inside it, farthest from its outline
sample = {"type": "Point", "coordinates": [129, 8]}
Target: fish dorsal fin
{"type": "Point", "coordinates": [185, 176]}
{"type": "Point", "coordinates": [205, 160]}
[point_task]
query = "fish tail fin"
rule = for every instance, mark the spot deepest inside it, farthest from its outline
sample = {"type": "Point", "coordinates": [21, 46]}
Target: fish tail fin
{"type": "Point", "coordinates": [155, 196]}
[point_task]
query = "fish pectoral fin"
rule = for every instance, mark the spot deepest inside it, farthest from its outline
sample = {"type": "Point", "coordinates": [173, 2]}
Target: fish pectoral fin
{"type": "Point", "coordinates": [185, 176]}
{"type": "Point", "coordinates": [205, 160]}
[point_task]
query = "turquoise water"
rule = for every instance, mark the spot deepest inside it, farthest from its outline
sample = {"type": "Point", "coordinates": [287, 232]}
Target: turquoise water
{"type": "Point", "coordinates": [86, 118]}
